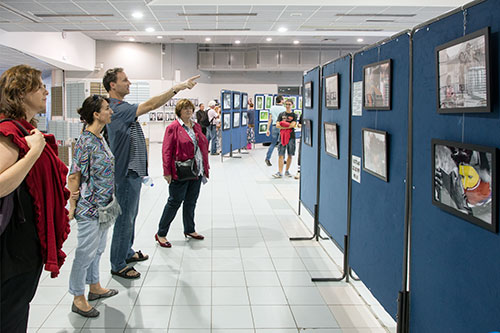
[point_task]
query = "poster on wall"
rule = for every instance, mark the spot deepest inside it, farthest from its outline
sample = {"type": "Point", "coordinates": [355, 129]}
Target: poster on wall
{"type": "Point", "coordinates": [463, 82]}
{"type": "Point", "coordinates": [244, 101]}
{"type": "Point", "coordinates": [262, 128]}
{"type": "Point", "coordinates": [375, 153]}
{"type": "Point", "coordinates": [464, 181]}
{"type": "Point", "coordinates": [236, 100]}
{"type": "Point", "coordinates": [357, 98]}
{"type": "Point", "coordinates": [331, 139]}
{"type": "Point", "coordinates": [226, 121]}
{"type": "Point", "coordinates": [377, 85]}
{"type": "Point", "coordinates": [244, 118]}
{"type": "Point", "coordinates": [263, 115]}
{"type": "Point", "coordinates": [226, 102]}
{"type": "Point", "coordinates": [259, 102]}
{"type": "Point", "coordinates": [332, 91]}
{"type": "Point", "coordinates": [356, 168]}
{"type": "Point", "coordinates": [236, 119]}
{"type": "Point", "coordinates": [307, 131]}
{"type": "Point", "coordinates": [308, 91]}
{"type": "Point", "coordinates": [269, 101]}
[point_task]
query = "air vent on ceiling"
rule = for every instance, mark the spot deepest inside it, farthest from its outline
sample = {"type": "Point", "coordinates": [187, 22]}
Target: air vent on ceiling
{"type": "Point", "coordinates": [216, 14]}
{"type": "Point", "coordinates": [73, 15]}
{"type": "Point", "coordinates": [244, 29]}
{"type": "Point", "coordinates": [377, 15]}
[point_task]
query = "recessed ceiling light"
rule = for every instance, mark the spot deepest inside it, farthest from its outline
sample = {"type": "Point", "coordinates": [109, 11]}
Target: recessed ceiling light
{"type": "Point", "coordinates": [150, 29]}
{"type": "Point", "coordinates": [296, 42]}
{"type": "Point", "coordinates": [159, 37]}
{"type": "Point", "coordinates": [131, 39]}
{"type": "Point", "coordinates": [237, 42]}
{"type": "Point", "coordinates": [269, 39]}
{"type": "Point", "coordinates": [282, 29]}
{"type": "Point", "coordinates": [137, 15]}
{"type": "Point", "coordinates": [360, 40]}
{"type": "Point", "coordinates": [208, 39]}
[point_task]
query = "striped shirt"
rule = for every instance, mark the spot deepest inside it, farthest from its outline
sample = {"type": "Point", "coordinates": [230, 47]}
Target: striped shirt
{"type": "Point", "coordinates": [138, 154]}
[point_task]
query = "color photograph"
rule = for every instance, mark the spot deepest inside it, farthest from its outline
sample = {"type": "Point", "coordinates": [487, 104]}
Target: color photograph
{"type": "Point", "coordinates": [269, 101]}
{"type": "Point", "coordinates": [264, 115]}
{"type": "Point", "coordinates": [259, 102]}
{"type": "Point", "coordinates": [377, 86]}
{"type": "Point", "coordinates": [262, 128]}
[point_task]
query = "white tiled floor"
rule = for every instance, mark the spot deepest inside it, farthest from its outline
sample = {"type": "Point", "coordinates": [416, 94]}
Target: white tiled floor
{"type": "Point", "coordinates": [245, 277]}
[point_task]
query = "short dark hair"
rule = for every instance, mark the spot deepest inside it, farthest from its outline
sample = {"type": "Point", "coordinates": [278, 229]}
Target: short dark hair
{"type": "Point", "coordinates": [279, 99]}
{"type": "Point", "coordinates": [111, 75]}
{"type": "Point", "coordinates": [90, 105]}
{"type": "Point", "coordinates": [183, 104]}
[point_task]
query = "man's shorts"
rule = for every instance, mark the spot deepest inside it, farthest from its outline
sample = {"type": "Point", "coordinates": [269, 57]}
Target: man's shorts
{"type": "Point", "coordinates": [290, 148]}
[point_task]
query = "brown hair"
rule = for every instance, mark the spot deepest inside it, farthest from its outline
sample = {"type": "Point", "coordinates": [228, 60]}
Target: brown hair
{"type": "Point", "coordinates": [111, 75]}
{"type": "Point", "coordinates": [15, 83]}
{"type": "Point", "coordinates": [183, 104]}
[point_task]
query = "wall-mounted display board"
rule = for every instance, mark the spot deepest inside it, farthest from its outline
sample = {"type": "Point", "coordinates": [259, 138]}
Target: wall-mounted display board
{"type": "Point", "coordinates": [234, 131]}
{"type": "Point", "coordinates": [378, 228]}
{"type": "Point", "coordinates": [454, 283]}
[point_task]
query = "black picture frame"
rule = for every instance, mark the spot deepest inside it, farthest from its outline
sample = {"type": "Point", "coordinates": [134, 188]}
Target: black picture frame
{"type": "Point", "coordinates": [332, 98]}
{"type": "Point", "coordinates": [236, 100]}
{"type": "Point", "coordinates": [226, 100]}
{"type": "Point", "coordinates": [226, 121]}
{"type": "Point", "coordinates": [244, 118]}
{"type": "Point", "coordinates": [308, 97]}
{"type": "Point", "coordinates": [244, 101]}
{"type": "Point", "coordinates": [307, 132]}
{"type": "Point", "coordinates": [377, 81]}
{"type": "Point", "coordinates": [331, 135]}
{"type": "Point", "coordinates": [464, 181]}
{"type": "Point", "coordinates": [236, 119]}
{"type": "Point", "coordinates": [375, 153]}
{"type": "Point", "coordinates": [463, 74]}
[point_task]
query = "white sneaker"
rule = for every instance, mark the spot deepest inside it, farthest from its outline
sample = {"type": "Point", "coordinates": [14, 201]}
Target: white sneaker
{"type": "Point", "coordinates": [278, 175]}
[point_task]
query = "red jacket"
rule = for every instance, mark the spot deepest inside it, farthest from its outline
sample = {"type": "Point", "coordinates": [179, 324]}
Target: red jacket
{"type": "Point", "coordinates": [178, 146]}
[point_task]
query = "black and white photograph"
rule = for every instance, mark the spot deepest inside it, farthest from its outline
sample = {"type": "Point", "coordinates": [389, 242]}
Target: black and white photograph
{"type": "Point", "coordinates": [226, 101]}
{"type": "Point", "coordinates": [331, 139]}
{"type": "Point", "coordinates": [375, 153]}
{"type": "Point", "coordinates": [159, 116]}
{"type": "Point", "coordinates": [307, 132]}
{"type": "Point", "coordinates": [236, 100]}
{"type": "Point", "coordinates": [236, 119]}
{"type": "Point", "coordinates": [152, 116]}
{"type": "Point", "coordinates": [244, 118]}
{"type": "Point", "coordinates": [244, 101]}
{"type": "Point", "coordinates": [259, 102]}
{"type": "Point", "coordinates": [463, 74]}
{"type": "Point", "coordinates": [332, 91]}
{"type": "Point", "coordinates": [226, 121]}
{"type": "Point", "coordinates": [308, 91]}
{"type": "Point", "coordinates": [464, 181]}
{"type": "Point", "coordinates": [262, 128]}
{"type": "Point", "coordinates": [377, 86]}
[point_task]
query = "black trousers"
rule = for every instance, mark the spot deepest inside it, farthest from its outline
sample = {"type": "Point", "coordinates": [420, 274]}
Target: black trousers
{"type": "Point", "coordinates": [16, 294]}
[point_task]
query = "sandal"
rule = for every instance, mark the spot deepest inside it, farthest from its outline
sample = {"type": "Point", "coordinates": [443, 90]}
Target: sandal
{"type": "Point", "coordinates": [109, 293]}
{"type": "Point", "coordinates": [140, 257]}
{"type": "Point", "coordinates": [124, 273]}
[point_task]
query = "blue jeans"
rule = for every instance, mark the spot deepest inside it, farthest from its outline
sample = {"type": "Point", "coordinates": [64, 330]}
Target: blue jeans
{"type": "Point", "coordinates": [128, 192]}
{"type": "Point", "coordinates": [91, 244]}
{"type": "Point", "coordinates": [186, 191]}
{"type": "Point", "coordinates": [275, 136]}
{"type": "Point", "coordinates": [212, 135]}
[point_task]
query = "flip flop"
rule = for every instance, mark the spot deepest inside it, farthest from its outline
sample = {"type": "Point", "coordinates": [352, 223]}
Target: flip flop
{"type": "Point", "coordinates": [124, 274]}
{"type": "Point", "coordinates": [140, 257]}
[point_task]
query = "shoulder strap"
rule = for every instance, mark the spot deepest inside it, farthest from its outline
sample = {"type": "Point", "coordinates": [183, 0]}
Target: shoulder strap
{"type": "Point", "coordinates": [21, 128]}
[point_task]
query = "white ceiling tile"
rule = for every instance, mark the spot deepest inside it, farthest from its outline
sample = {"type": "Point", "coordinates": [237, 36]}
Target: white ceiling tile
{"type": "Point", "coordinates": [200, 9]}
{"type": "Point", "coordinates": [235, 9]}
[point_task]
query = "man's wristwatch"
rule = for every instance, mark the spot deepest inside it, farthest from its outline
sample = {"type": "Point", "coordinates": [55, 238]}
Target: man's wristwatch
{"type": "Point", "coordinates": [174, 91]}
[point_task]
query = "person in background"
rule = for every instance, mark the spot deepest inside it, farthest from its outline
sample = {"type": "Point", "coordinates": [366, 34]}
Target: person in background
{"type": "Point", "coordinates": [212, 127]}
{"type": "Point", "coordinates": [286, 122]}
{"type": "Point", "coordinates": [272, 130]}
{"type": "Point", "coordinates": [128, 145]}
{"type": "Point", "coordinates": [299, 125]}
{"type": "Point", "coordinates": [251, 124]}
{"type": "Point", "coordinates": [92, 176]}
{"type": "Point", "coordinates": [34, 221]}
{"type": "Point", "coordinates": [202, 118]}
{"type": "Point", "coordinates": [218, 146]}
{"type": "Point", "coordinates": [183, 141]}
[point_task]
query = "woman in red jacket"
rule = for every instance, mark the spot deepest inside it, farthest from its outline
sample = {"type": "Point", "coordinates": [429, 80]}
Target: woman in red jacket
{"type": "Point", "coordinates": [183, 142]}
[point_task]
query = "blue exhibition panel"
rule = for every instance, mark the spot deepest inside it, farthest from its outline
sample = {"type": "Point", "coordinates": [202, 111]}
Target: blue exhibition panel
{"type": "Point", "coordinates": [309, 154]}
{"type": "Point", "coordinates": [454, 281]}
{"type": "Point", "coordinates": [226, 134]}
{"type": "Point", "coordinates": [377, 206]}
{"type": "Point", "coordinates": [259, 137]}
{"type": "Point", "coordinates": [333, 195]}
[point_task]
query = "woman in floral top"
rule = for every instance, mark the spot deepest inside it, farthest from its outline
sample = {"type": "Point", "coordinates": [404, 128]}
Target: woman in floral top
{"type": "Point", "coordinates": [91, 181]}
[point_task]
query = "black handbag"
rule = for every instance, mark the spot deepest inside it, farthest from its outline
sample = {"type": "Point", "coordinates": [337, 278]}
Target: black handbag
{"type": "Point", "coordinates": [186, 170]}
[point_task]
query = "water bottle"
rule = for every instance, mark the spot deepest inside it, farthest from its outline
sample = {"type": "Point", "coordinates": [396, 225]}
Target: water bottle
{"type": "Point", "coordinates": [148, 181]}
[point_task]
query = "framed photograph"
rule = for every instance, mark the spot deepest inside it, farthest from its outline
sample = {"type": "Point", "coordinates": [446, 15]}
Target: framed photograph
{"type": "Point", "coordinates": [332, 91]}
{"type": "Point", "coordinates": [159, 115]}
{"type": "Point", "coordinates": [244, 101]}
{"type": "Point", "coordinates": [375, 153]}
{"type": "Point", "coordinates": [259, 102]}
{"type": "Point", "coordinates": [274, 99]}
{"type": "Point", "coordinates": [236, 119]}
{"type": "Point", "coordinates": [152, 116]}
{"type": "Point", "coordinates": [331, 139]}
{"type": "Point", "coordinates": [377, 86]}
{"type": "Point", "coordinates": [226, 121]}
{"type": "Point", "coordinates": [298, 113]}
{"type": "Point", "coordinates": [463, 67]}
{"type": "Point", "coordinates": [244, 118]}
{"type": "Point", "coordinates": [308, 97]}
{"type": "Point", "coordinates": [236, 100]}
{"type": "Point", "coordinates": [464, 181]}
{"type": "Point", "coordinates": [263, 115]}
{"type": "Point", "coordinates": [226, 101]}
{"type": "Point", "coordinates": [300, 103]}
{"type": "Point", "coordinates": [262, 128]}
{"type": "Point", "coordinates": [269, 101]}
{"type": "Point", "coordinates": [294, 101]}
{"type": "Point", "coordinates": [307, 131]}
